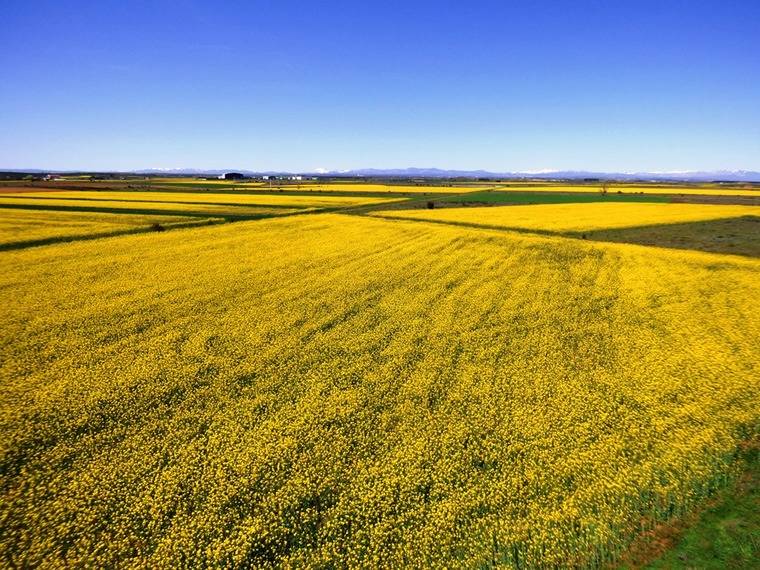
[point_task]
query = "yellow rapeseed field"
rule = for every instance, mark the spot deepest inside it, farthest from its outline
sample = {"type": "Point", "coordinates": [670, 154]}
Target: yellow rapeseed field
{"type": "Point", "coordinates": [359, 187]}
{"type": "Point", "coordinates": [577, 217]}
{"type": "Point", "coordinates": [269, 199]}
{"type": "Point", "coordinates": [24, 226]}
{"type": "Point", "coordinates": [126, 206]}
{"type": "Point", "coordinates": [634, 189]}
{"type": "Point", "coordinates": [341, 391]}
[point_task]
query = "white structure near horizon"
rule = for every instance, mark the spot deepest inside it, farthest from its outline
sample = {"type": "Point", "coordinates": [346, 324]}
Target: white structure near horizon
{"type": "Point", "coordinates": [271, 177]}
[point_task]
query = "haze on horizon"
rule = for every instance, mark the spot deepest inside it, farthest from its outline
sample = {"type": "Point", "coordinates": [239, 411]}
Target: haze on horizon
{"type": "Point", "coordinates": [498, 86]}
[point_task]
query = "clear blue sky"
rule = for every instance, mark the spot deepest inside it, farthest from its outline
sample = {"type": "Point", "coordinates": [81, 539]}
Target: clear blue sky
{"type": "Point", "coordinates": [603, 85]}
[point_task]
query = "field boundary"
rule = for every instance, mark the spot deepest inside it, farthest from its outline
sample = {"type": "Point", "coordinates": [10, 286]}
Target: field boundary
{"type": "Point", "coordinates": [87, 199]}
{"type": "Point", "coordinates": [587, 235]}
{"type": "Point", "coordinates": [652, 548]}
{"type": "Point", "coordinates": [12, 246]}
{"type": "Point", "coordinates": [148, 212]}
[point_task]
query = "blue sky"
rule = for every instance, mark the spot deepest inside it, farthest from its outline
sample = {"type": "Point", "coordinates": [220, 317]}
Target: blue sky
{"type": "Point", "coordinates": [601, 85]}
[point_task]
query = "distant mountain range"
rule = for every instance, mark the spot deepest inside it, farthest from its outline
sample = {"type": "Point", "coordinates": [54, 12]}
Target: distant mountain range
{"type": "Point", "coordinates": [723, 175]}
{"type": "Point", "coordinates": [695, 176]}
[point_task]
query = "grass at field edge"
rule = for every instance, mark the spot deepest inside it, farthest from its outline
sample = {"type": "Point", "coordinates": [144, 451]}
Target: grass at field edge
{"type": "Point", "coordinates": [23, 244]}
{"type": "Point", "coordinates": [725, 534]}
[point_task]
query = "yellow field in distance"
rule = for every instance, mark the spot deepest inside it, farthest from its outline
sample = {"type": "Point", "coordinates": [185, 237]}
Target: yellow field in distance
{"type": "Point", "coordinates": [138, 206]}
{"type": "Point", "coordinates": [576, 217]}
{"type": "Point", "coordinates": [633, 189]}
{"type": "Point", "coordinates": [23, 226]}
{"type": "Point", "coordinates": [147, 198]}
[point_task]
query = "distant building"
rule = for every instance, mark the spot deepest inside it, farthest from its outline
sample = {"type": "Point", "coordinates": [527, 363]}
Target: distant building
{"type": "Point", "coordinates": [232, 176]}
{"type": "Point", "coordinates": [273, 177]}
